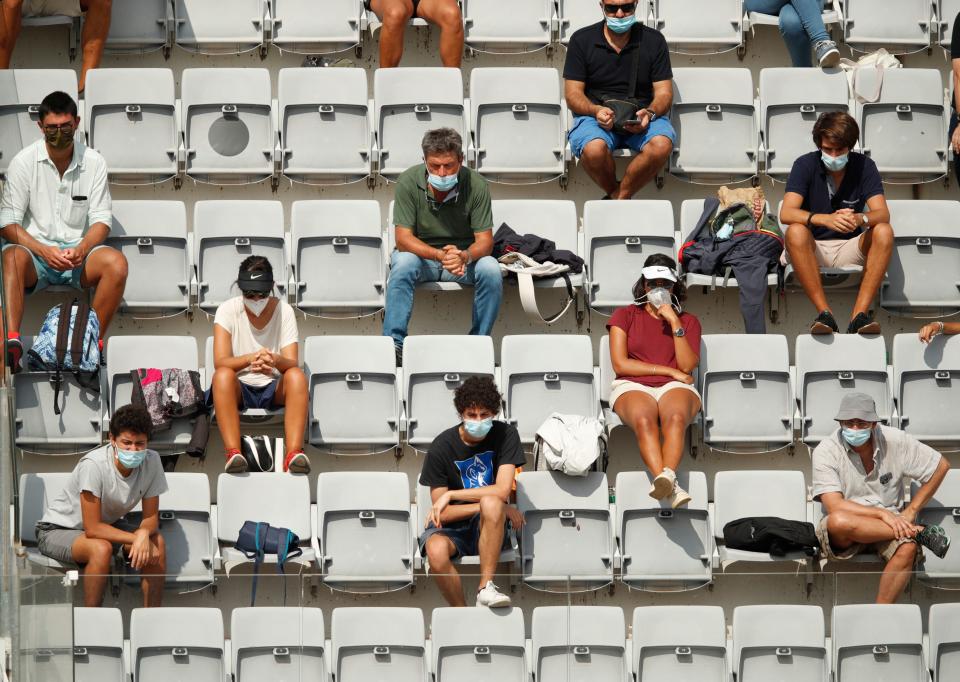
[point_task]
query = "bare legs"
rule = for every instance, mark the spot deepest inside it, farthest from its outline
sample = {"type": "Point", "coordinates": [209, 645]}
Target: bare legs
{"type": "Point", "coordinates": [394, 14]}
{"type": "Point", "coordinates": [94, 556]}
{"type": "Point", "coordinates": [659, 427]}
{"type": "Point", "coordinates": [597, 161]}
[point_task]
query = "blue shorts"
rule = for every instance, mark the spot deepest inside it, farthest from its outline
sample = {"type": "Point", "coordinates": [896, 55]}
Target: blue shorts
{"type": "Point", "coordinates": [586, 128]}
{"type": "Point", "coordinates": [251, 397]}
{"type": "Point", "coordinates": [464, 535]}
{"type": "Point", "coordinates": [47, 276]}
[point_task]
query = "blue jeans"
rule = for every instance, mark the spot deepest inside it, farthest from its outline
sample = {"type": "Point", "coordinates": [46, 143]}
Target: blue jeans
{"type": "Point", "coordinates": [801, 24]}
{"type": "Point", "coordinates": [408, 269]}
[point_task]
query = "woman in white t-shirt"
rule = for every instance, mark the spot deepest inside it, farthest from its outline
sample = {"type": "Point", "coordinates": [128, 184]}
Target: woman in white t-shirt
{"type": "Point", "coordinates": [255, 352]}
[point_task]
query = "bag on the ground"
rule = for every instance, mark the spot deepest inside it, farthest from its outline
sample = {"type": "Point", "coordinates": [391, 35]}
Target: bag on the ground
{"type": "Point", "coordinates": [68, 341]}
{"type": "Point", "coordinates": [258, 451]}
{"type": "Point", "coordinates": [257, 539]}
{"type": "Point", "coordinates": [571, 444]}
{"type": "Point", "coordinates": [773, 535]}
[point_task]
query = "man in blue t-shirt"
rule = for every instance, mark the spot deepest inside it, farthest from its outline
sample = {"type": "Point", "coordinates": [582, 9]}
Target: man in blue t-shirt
{"type": "Point", "coordinates": [837, 217]}
{"type": "Point", "coordinates": [470, 470]}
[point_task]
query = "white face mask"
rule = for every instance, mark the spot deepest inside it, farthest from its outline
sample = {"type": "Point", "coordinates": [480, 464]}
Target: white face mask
{"type": "Point", "coordinates": [256, 307]}
{"type": "Point", "coordinates": [658, 296]}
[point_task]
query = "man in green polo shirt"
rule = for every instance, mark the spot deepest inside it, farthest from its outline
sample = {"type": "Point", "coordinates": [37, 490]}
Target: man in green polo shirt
{"type": "Point", "coordinates": [444, 233]}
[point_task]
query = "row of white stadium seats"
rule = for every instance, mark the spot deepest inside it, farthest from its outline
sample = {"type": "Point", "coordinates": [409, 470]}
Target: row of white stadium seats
{"type": "Point", "coordinates": [332, 258]}
{"type": "Point", "coordinates": [691, 26]}
{"type": "Point", "coordinates": [361, 535]}
{"type": "Point", "coordinates": [787, 643]}
{"type": "Point", "coordinates": [226, 128]}
{"type": "Point", "coordinates": [360, 402]}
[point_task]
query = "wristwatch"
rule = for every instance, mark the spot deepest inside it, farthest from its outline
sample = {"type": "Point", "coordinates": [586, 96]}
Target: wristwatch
{"type": "Point", "coordinates": [680, 333]}
{"type": "Point", "coordinates": [866, 220]}
{"type": "Point", "coordinates": [653, 114]}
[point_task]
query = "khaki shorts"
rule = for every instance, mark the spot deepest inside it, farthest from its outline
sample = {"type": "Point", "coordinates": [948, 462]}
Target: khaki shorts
{"type": "Point", "coordinates": [885, 549]}
{"type": "Point", "coordinates": [621, 386]}
{"type": "Point", "coordinates": [47, 8]}
{"type": "Point", "coordinates": [835, 253]}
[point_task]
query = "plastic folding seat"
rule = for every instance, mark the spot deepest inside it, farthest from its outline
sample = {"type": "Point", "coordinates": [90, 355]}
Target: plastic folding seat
{"type": "Point", "coordinates": [905, 130]}
{"type": "Point", "coordinates": [618, 237]}
{"type": "Point", "coordinates": [683, 537]}
{"type": "Point", "coordinates": [942, 510]}
{"type": "Point", "coordinates": [206, 28]}
{"type": "Point", "coordinates": [830, 365]}
{"type": "Point", "coordinates": [152, 235]}
{"type": "Point", "coordinates": [434, 367]}
{"type": "Point", "coordinates": [299, 27]}
{"type": "Point", "coordinates": [579, 643]}
{"type": "Point", "coordinates": [830, 16]}
{"type": "Point", "coordinates": [573, 15]}
{"type": "Point", "coordinates": [741, 494]}
{"type": "Point", "coordinates": [700, 26]}
{"type": "Point", "coordinates": [228, 125]}
{"type": "Point", "coordinates": [21, 91]}
{"type": "Point", "coordinates": [923, 277]}
{"type": "Point", "coordinates": [98, 645]}
{"type": "Point", "coordinates": [225, 233]}
{"type": "Point", "coordinates": [878, 642]}
{"type": "Point", "coordinates": [507, 26]}
{"type": "Point", "coordinates": [37, 426]}
{"type": "Point", "coordinates": [186, 527]}
{"type": "Point", "coordinates": [141, 27]}
{"type": "Point", "coordinates": [324, 124]}
{"type": "Point", "coordinates": [46, 640]}
{"type": "Point", "coordinates": [478, 644]}
{"type": "Point", "coordinates": [277, 643]}
{"type": "Point", "coordinates": [127, 353]}
{"type": "Point", "coordinates": [278, 499]}
{"type": "Point", "coordinates": [517, 123]}
{"type": "Point", "coordinates": [567, 541]}
{"type": "Point", "coordinates": [177, 643]}
{"type": "Point", "coordinates": [407, 103]}
{"type": "Point", "coordinates": [354, 393]}
{"type": "Point", "coordinates": [679, 643]}
{"type": "Point", "coordinates": [897, 25]}
{"type": "Point", "coordinates": [546, 373]}
{"type": "Point", "coordinates": [791, 100]}
{"type": "Point", "coordinates": [378, 643]}
{"type": "Point", "coordinates": [132, 121]}
{"type": "Point", "coordinates": [714, 116]}
{"type": "Point", "coordinates": [338, 257]}
{"type": "Point", "coordinates": [363, 522]}
{"type": "Point", "coordinates": [924, 387]}
{"type": "Point", "coordinates": [37, 491]}
{"type": "Point", "coordinates": [746, 374]}
{"type": "Point", "coordinates": [944, 649]}
{"type": "Point", "coordinates": [779, 643]}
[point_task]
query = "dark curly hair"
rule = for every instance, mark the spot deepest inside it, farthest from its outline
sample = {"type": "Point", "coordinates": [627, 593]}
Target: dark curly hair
{"type": "Point", "coordinates": [477, 392]}
{"type": "Point", "coordinates": [661, 259]}
{"type": "Point", "coordinates": [132, 419]}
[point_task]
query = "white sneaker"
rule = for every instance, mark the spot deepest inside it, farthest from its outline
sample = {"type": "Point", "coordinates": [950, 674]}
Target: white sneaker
{"type": "Point", "coordinates": [680, 497]}
{"type": "Point", "coordinates": [663, 484]}
{"type": "Point", "coordinates": [492, 597]}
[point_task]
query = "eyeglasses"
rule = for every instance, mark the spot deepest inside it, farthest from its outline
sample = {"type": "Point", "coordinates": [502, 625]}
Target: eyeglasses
{"type": "Point", "coordinates": [858, 424]}
{"type": "Point", "coordinates": [63, 128]}
{"type": "Point", "coordinates": [665, 283]}
{"type": "Point", "coordinates": [256, 295]}
{"type": "Point", "coordinates": [627, 7]}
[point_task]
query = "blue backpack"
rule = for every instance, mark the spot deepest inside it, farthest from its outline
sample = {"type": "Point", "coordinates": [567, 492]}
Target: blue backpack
{"type": "Point", "coordinates": [63, 345]}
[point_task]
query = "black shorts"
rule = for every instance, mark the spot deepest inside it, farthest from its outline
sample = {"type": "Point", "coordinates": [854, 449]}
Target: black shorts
{"type": "Point", "coordinates": [465, 537]}
{"type": "Point", "coordinates": [416, 5]}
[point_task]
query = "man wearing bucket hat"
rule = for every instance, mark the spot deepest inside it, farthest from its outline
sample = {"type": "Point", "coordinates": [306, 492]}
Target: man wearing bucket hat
{"type": "Point", "coordinates": [858, 476]}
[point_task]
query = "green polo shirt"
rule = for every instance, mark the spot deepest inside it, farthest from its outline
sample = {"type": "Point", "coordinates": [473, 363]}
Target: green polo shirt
{"type": "Point", "coordinates": [452, 222]}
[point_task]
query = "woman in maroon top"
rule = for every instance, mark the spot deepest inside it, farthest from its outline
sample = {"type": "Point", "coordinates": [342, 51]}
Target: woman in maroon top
{"type": "Point", "coordinates": [654, 349]}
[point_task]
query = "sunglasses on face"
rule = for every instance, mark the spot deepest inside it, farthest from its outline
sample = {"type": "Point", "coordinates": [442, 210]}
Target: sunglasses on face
{"type": "Point", "coordinates": [63, 127]}
{"type": "Point", "coordinates": [665, 283]}
{"type": "Point", "coordinates": [856, 424]}
{"type": "Point", "coordinates": [628, 8]}
{"type": "Point", "coordinates": [256, 295]}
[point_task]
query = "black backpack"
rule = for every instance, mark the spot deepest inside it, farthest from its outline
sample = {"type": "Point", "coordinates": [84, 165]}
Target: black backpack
{"type": "Point", "coordinates": [770, 534]}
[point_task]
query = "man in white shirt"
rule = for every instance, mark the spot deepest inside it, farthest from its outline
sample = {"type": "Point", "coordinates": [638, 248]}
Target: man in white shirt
{"type": "Point", "coordinates": [55, 216]}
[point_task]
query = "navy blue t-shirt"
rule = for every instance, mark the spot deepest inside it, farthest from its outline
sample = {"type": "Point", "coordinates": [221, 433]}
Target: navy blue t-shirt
{"type": "Point", "coordinates": [808, 178]}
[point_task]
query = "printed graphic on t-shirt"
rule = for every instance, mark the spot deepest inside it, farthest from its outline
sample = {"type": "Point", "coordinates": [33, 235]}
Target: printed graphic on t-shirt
{"type": "Point", "coordinates": [477, 471]}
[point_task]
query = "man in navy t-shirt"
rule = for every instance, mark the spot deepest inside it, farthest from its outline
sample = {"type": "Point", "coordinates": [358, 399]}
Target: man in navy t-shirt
{"type": "Point", "coordinates": [837, 217]}
{"type": "Point", "coordinates": [470, 470]}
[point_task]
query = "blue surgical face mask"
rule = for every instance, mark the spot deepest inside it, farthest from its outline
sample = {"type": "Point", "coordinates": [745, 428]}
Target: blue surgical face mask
{"type": "Point", "coordinates": [621, 24]}
{"type": "Point", "coordinates": [131, 459]}
{"type": "Point", "coordinates": [834, 163]}
{"type": "Point", "coordinates": [478, 429]}
{"type": "Point", "coordinates": [443, 183]}
{"type": "Point", "coordinates": [856, 437]}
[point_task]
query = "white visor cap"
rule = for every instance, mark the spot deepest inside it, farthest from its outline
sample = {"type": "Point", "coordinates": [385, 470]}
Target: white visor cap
{"type": "Point", "coordinates": [653, 272]}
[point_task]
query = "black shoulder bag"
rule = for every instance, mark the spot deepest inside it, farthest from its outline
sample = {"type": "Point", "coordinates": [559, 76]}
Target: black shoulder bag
{"type": "Point", "coordinates": [624, 108]}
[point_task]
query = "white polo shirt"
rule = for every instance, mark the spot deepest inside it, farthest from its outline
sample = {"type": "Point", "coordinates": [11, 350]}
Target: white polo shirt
{"type": "Point", "coordinates": [55, 210]}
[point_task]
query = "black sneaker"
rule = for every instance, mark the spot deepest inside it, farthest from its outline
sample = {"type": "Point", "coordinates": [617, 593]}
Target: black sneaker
{"type": "Point", "coordinates": [824, 324]}
{"type": "Point", "coordinates": [863, 324]}
{"type": "Point", "coordinates": [934, 539]}
{"type": "Point", "coordinates": [14, 354]}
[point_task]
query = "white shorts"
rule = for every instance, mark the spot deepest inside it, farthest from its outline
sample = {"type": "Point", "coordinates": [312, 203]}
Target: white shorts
{"type": "Point", "coordinates": [48, 8]}
{"type": "Point", "coordinates": [621, 386]}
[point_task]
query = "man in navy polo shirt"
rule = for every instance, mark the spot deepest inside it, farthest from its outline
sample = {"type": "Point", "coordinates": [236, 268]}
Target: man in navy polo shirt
{"type": "Point", "coordinates": [837, 217]}
{"type": "Point", "coordinates": [601, 59]}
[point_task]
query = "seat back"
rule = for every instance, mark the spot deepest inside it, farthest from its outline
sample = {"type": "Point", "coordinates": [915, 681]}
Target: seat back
{"type": "Point", "coordinates": [478, 643]}
{"type": "Point", "coordinates": [679, 643]}
{"type": "Point", "coordinates": [579, 643]}
{"type": "Point", "coordinates": [925, 386]}
{"type": "Point", "coordinates": [277, 499]}
{"type": "Point", "coordinates": [97, 644]}
{"type": "Point", "coordinates": [878, 642]}
{"type": "Point", "coordinates": [298, 27]}
{"type": "Point", "coordinates": [140, 27]}
{"type": "Point", "coordinates": [897, 26]}
{"type": "Point", "coordinates": [203, 28]}
{"type": "Point", "coordinates": [375, 643]}
{"type": "Point", "coordinates": [740, 494]}
{"type": "Point", "coordinates": [165, 640]}
{"type": "Point", "coordinates": [21, 91]}
{"type": "Point", "coordinates": [944, 628]}
{"type": "Point", "coordinates": [37, 491]}
{"type": "Point", "coordinates": [46, 641]}
{"type": "Point", "coordinates": [506, 26]}
{"type": "Point", "coordinates": [779, 642]}
{"type": "Point", "coordinates": [553, 219]}
{"type": "Point", "coordinates": [278, 643]}
{"type": "Point", "coordinates": [575, 14]}
{"type": "Point", "coordinates": [701, 26]}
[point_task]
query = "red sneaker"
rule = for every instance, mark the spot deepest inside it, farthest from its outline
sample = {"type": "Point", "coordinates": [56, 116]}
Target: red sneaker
{"type": "Point", "coordinates": [236, 462]}
{"type": "Point", "coordinates": [14, 353]}
{"type": "Point", "coordinates": [296, 462]}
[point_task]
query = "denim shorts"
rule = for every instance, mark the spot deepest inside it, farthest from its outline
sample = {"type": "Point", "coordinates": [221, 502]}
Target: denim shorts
{"type": "Point", "coordinates": [251, 397]}
{"type": "Point", "coordinates": [465, 536]}
{"type": "Point", "coordinates": [586, 129]}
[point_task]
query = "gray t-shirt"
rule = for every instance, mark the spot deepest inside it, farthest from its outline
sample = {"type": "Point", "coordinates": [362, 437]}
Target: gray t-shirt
{"type": "Point", "coordinates": [97, 473]}
{"type": "Point", "coordinates": [837, 468]}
